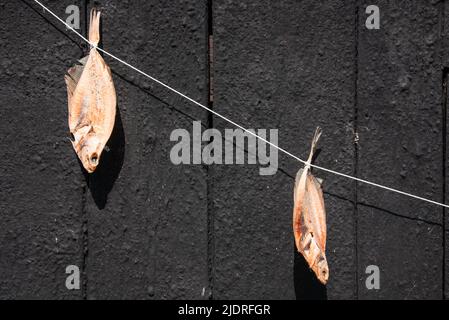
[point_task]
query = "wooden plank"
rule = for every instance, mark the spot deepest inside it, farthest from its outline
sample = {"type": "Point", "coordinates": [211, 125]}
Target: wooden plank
{"type": "Point", "coordinates": [445, 78]}
{"type": "Point", "coordinates": [444, 220]}
{"type": "Point", "coordinates": [399, 121]}
{"type": "Point", "coordinates": [148, 217]}
{"type": "Point", "coordinates": [445, 67]}
{"type": "Point", "coordinates": [287, 65]}
{"type": "Point", "coordinates": [40, 184]}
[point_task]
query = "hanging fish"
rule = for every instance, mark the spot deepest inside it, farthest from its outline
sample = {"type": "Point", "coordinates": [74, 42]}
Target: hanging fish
{"type": "Point", "coordinates": [309, 217]}
{"type": "Point", "coordinates": [91, 101]}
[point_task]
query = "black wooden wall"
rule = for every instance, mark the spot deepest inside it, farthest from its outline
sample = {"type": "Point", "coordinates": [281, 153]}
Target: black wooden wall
{"type": "Point", "coordinates": [141, 227]}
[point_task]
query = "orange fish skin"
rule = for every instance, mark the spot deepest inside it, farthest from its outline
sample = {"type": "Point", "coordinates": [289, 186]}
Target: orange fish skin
{"type": "Point", "coordinates": [91, 102]}
{"type": "Point", "coordinates": [309, 219]}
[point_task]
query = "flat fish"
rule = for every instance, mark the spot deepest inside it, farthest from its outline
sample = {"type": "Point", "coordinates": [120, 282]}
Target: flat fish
{"type": "Point", "coordinates": [91, 101]}
{"type": "Point", "coordinates": [309, 217]}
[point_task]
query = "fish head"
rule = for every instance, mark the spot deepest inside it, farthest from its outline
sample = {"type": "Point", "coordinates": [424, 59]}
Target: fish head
{"type": "Point", "coordinates": [322, 269]}
{"type": "Point", "coordinates": [90, 153]}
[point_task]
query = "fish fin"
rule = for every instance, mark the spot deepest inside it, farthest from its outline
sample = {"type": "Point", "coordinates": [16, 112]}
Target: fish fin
{"type": "Point", "coordinates": [73, 75]}
{"type": "Point", "coordinates": [299, 174]}
{"type": "Point", "coordinates": [317, 202]}
{"type": "Point", "coordinates": [300, 199]}
{"type": "Point", "coordinates": [83, 61]}
{"type": "Point", "coordinates": [298, 177]}
{"type": "Point", "coordinates": [94, 27]}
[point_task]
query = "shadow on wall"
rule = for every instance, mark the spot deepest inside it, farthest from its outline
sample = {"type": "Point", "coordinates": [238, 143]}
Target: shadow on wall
{"type": "Point", "coordinates": [307, 286]}
{"type": "Point", "coordinates": [101, 181]}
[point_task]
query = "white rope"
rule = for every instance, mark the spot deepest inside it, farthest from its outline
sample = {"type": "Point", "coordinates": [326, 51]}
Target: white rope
{"type": "Point", "coordinates": [239, 126]}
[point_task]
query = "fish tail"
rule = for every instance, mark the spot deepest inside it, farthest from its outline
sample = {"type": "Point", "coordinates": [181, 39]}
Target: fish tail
{"type": "Point", "coordinates": [94, 28]}
{"type": "Point", "coordinates": [302, 173]}
{"type": "Point", "coordinates": [315, 139]}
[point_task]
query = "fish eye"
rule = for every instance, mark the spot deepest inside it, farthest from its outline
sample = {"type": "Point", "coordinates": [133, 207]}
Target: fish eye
{"type": "Point", "coordinates": [94, 158]}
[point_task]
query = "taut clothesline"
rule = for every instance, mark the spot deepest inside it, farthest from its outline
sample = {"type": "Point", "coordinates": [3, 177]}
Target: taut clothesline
{"type": "Point", "coordinates": [239, 126]}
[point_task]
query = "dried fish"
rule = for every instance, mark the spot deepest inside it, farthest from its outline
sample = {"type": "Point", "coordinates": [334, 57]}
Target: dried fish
{"type": "Point", "coordinates": [91, 101]}
{"type": "Point", "coordinates": [309, 217]}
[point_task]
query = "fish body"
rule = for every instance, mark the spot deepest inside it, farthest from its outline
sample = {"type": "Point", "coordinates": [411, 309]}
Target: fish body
{"type": "Point", "coordinates": [91, 101]}
{"type": "Point", "coordinates": [309, 218]}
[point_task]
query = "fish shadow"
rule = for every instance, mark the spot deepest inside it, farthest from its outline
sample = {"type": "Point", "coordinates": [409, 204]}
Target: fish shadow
{"type": "Point", "coordinates": [101, 181]}
{"type": "Point", "coordinates": [307, 286]}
